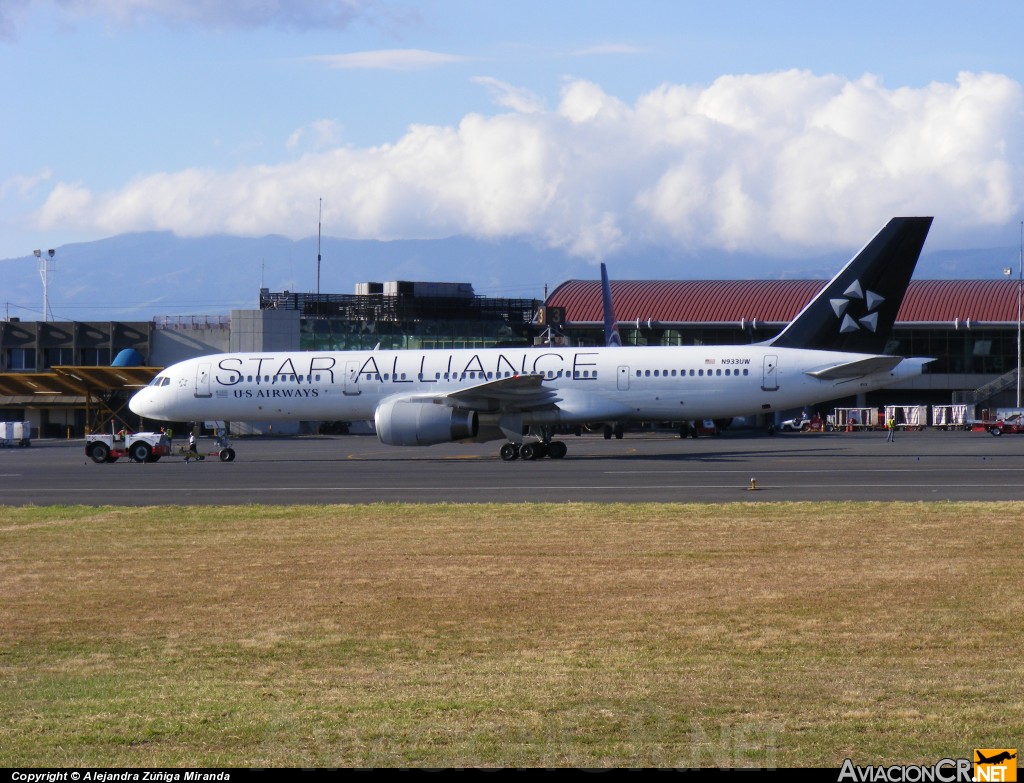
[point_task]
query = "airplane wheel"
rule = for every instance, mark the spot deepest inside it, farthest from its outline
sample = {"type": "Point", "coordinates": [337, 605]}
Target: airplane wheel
{"type": "Point", "coordinates": [557, 449]}
{"type": "Point", "coordinates": [618, 432]}
{"type": "Point", "coordinates": [607, 432]}
{"type": "Point", "coordinates": [99, 452]}
{"type": "Point", "coordinates": [530, 451]}
{"type": "Point", "coordinates": [509, 452]}
{"type": "Point", "coordinates": [227, 455]}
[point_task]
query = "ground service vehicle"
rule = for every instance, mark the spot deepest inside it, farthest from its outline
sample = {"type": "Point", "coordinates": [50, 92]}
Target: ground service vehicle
{"type": "Point", "coordinates": [1010, 424]}
{"type": "Point", "coordinates": [136, 446]}
{"type": "Point", "coordinates": [798, 424]}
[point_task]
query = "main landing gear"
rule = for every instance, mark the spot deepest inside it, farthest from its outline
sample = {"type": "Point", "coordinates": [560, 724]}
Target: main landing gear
{"type": "Point", "coordinates": [556, 449]}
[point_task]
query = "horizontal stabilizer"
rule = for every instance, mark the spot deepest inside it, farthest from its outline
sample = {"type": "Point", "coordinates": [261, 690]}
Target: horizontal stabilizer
{"type": "Point", "coordinates": [857, 368]}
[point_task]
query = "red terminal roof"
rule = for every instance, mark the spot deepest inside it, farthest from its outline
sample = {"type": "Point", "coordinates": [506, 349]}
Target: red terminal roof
{"type": "Point", "coordinates": [775, 301]}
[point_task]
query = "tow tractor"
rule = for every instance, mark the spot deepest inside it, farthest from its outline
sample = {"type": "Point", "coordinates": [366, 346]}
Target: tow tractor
{"type": "Point", "coordinates": [148, 447]}
{"type": "Point", "coordinates": [136, 446]}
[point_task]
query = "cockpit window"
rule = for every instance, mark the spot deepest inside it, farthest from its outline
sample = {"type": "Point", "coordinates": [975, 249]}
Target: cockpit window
{"type": "Point", "coordinates": [158, 381]}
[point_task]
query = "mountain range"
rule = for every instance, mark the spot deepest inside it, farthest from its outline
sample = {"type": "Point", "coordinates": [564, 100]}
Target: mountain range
{"type": "Point", "coordinates": [139, 276]}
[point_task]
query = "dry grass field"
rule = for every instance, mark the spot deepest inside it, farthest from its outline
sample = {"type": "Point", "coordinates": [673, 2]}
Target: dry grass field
{"type": "Point", "coordinates": [510, 635]}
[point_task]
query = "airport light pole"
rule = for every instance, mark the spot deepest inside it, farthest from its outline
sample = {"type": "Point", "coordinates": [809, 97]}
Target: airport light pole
{"type": "Point", "coordinates": [44, 272]}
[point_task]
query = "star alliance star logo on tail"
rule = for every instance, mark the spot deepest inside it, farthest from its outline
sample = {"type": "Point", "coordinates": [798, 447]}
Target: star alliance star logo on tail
{"type": "Point", "coordinates": [869, 301]}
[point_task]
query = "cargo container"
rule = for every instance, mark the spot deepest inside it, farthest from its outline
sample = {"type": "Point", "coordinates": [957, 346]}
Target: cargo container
{"type": "Point", "coordinates": [15, 433]}
{"type": "Point", "coordinates": [949, 417]}
{"type": "Point", "coordinates": [850, 419]}
{"type": "Point", "coordinates": [908, 417]}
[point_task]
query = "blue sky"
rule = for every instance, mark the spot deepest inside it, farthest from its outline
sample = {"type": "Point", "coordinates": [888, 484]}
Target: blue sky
{"type": "Point", "coordinates": [593, 127]}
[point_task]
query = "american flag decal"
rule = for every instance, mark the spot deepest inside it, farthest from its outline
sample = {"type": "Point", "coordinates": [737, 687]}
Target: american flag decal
{"type": "Point", "coordinates": [222, 394]}
{"type": "Point", "coordinates": [709, 361]}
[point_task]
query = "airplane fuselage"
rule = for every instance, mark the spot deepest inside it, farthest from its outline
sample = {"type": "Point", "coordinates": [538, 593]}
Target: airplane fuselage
{"type": "Point", "coordinates": [425, 397]}
{"type": "Point", "coordinates": [590, 384]}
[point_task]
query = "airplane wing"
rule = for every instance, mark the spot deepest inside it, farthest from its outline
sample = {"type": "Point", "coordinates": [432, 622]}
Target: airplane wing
{"type": "Point", "coordinates": [519, 393]}
{"type": "Point", "coordinates": [857, 368]}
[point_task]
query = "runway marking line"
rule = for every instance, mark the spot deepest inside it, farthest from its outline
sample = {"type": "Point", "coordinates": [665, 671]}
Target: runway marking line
{"type": "Point", "coordinates": [805, 471]}
{"type": "Point", "coordinates": [530, 487]}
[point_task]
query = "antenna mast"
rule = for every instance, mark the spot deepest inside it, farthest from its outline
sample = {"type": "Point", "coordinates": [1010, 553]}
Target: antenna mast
{"type": "Point", "coordinates": [319, 221]}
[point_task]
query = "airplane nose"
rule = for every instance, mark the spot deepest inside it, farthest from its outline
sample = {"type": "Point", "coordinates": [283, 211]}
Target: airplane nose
{"type": "Point", "coordinates": [141, 403]}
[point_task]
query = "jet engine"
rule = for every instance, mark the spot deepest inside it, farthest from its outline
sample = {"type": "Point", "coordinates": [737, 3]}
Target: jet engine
{"type": "Point", "coordinates": [413, 423]}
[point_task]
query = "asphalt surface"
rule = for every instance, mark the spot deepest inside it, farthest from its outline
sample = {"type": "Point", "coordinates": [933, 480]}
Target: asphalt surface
{"type": "Point", "coordinates": [919, 466]}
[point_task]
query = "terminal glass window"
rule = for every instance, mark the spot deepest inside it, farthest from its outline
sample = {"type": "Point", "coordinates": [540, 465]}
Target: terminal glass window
{"type": "Point", "coordinates": [21, 359]}
{"type": "Point", "coordinates": [95, 357]}
{"type": "Point", "coordinates": [56, 357]}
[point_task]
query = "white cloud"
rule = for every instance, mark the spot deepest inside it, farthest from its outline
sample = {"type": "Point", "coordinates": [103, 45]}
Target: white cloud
{"type": "Point", "coordinates": [246, 14]}
{"type": "Point", "coordinates": [607, 48]}
{"type": "Point", "coordinates": [318, 135]}
{"type": "Point", "coordinates": [24, 185]}
{"type": "Point", "coordinates": [509, 96]}
{"type": "Point", "coordinates": [765, 163]}
{"type": "Point", "coordinates": [11, 12]}
{"type": "Point", "coordinates": [388, 59]}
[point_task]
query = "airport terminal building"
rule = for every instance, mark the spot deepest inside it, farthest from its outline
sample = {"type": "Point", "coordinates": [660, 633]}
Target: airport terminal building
{"type": "Point", "coordinates": [57, 375]}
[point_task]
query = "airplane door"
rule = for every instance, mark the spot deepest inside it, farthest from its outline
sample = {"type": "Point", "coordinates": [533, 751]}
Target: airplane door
{"type": "Point", "coordinates": [203, 381]}
{"type": "Point", "coordinates": [770, 379]}
{"type": "Point", "coordinates": [623, 379]}
{"type": "Point", "coordinates": [352, 379]}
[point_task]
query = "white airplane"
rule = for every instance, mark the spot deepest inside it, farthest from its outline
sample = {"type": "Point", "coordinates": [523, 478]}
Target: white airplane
{"type": "Point", "coordinates": [833, 348]}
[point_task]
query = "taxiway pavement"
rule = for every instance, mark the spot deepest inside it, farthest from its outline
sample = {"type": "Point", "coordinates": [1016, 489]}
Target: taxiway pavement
{"type": "Point", "coordinates": [920, 466]}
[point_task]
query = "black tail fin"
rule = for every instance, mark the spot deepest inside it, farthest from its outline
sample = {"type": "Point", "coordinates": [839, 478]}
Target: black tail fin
{"type": "Point", "coordinates": [611, 325]}
{"type": "Point", "coordinates": [856, 310]}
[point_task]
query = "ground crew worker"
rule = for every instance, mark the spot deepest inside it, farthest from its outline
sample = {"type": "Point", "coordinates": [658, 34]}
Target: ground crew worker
{"type": "Point", "coordinates": [891, 426]}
